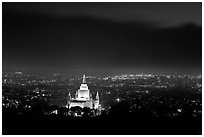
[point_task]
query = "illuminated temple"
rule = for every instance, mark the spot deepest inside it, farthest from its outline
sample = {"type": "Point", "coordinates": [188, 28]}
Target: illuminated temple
{"type": "Point", "coordinates": [83, 97]}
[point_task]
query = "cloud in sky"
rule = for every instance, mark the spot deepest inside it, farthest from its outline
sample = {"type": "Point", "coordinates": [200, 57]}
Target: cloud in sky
{"type": "Point", "coordinates": [94, 37]}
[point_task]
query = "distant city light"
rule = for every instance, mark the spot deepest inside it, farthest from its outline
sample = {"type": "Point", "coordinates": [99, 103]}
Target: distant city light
{"type": "Point", "coordinates": [179, 110]}
{"type": "Point", "coordinates": [126, 87]}
{"type": "Point", "coordinates": [19, 73]}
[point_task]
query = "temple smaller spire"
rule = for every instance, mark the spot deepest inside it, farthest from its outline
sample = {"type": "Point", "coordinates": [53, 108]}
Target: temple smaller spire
{"type": "Point", "coordinates": [69, 95]}
{"type": "Point", "coordinates": [90, 95]}
{"type": "Point", "coordinates": [97, 97]}
{"type": "Point", "coordinates": [69, 99]}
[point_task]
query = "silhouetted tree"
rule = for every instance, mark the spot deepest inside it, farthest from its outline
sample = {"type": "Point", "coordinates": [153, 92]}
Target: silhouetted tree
{"type": "Point", "coordinates": [37, 110]}
{"type": "Point", "coordinates": [52, 108]}
{"type": "Point", "coordinates": [120, 108]}
{"type": "Point", "coordinates": [87, 111]}
{"type": "Point", "coordinates": [63, 111]}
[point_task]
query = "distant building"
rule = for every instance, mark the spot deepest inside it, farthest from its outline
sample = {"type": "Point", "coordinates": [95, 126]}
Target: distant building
{"type": "Point", "coordinates": [83, 97]}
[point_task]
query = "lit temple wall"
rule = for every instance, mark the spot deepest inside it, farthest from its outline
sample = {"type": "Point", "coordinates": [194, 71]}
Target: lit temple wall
{"type": "Point", "coordinates": [83, 94]}
{"type": "Point", "coordinates": [81, 104]}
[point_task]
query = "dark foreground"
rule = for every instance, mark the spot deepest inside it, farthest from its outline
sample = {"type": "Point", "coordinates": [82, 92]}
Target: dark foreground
{"type": "Point", "coordinates": [116, 123]}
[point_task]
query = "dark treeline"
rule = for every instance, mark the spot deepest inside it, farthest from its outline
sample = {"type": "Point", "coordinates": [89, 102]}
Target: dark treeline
{"type": "Point", "coordinates": [118, 120]}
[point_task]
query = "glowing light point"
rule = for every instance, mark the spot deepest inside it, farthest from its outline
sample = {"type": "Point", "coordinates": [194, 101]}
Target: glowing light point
{"type": "Point", "coordinates": [179, 110]}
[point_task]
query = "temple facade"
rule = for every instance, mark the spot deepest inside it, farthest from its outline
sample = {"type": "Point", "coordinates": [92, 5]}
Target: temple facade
{"type": "Point", "coordinates": [83, 97]}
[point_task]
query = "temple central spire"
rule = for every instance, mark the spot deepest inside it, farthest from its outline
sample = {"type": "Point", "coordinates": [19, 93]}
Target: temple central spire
{"type": "Point", "coordinates": [84, 79]}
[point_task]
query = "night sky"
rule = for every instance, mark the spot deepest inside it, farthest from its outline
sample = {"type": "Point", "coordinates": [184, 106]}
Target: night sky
{"type": "Point", "coordinates": [102, 38]}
